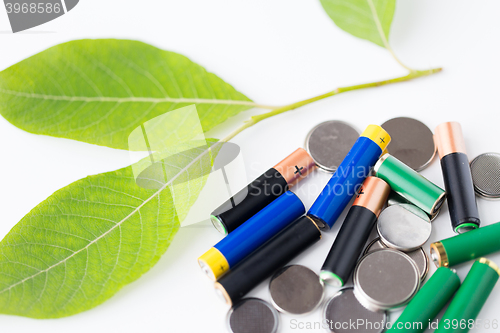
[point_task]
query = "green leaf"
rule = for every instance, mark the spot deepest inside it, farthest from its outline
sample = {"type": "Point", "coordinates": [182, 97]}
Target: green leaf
{"type": "Point", "coordinates": [367, 19]}
{"type": "Point", "coordinates": [86, 241]}
{"type": "Point", "coordinates": [98, 91]}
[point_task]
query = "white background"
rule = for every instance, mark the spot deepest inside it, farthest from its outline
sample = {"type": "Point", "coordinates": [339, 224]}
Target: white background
{"type": "Point", "coordinates": [276, 52]}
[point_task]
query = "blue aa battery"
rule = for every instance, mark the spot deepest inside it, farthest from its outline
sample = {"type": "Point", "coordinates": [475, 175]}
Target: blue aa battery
{"type": "Point", "coordinates": [252, 234]}
{"type": "Point", "coordinates": [349, 176]}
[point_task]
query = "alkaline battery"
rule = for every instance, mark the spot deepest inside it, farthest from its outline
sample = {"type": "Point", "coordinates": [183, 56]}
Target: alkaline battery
{"type": "Point", "coordinates": [468, 246]}
{"type": "Point", "coordinates": [470, 297]}
{"type": "Point", "coordinates": [427, 303]}
{"type": "Point", "coordinates": [353, 170]}
{"type": "Point", "coordinates": [410, 184]}
{"type": "Point", "coordinates": [262, 191]}
{"type": "Point", "coordinates": [261, 264]}
{"type": "Point", "coordinates": [250, 235]}
{"type": "Point", "coordinates": [355, 231]}
{"type": "Point", "coordinates": [457, 177]}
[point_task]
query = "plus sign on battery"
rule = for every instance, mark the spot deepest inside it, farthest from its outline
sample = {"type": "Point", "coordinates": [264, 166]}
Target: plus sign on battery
{"type": "Point", "coordinates": [298, 170]}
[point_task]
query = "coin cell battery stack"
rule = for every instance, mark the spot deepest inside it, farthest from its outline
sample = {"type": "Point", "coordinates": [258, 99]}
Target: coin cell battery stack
{"type": "Point", "coordinates": [419, 256]}
{"type": "Point", "coordinates": [344, 308]}
{"type": "Point", "coordinates": [386, 279]}
{"type": "Point", "coordinates": [486, 175]}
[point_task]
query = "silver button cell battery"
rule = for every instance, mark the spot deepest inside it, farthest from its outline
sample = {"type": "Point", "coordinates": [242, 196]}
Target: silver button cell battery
{"type": "Point", "coordinates": [296, 290]}
{"type": "Point", "coordinates": [385, 279]}
{"type": "Point", "coordinates": [253, 315]}
{"type": "Point", "coordinates": [343, 310]}
{"type": "Point", "coordinates": [412, 142]}
{"type": "Point", "coordinates": [485, 171]}
{"type": "Point", "coordinates": [404, 227]}
{"type": "Point", "coordinates": [419, 256]}
{"type": "Point", "coordinates": [329, 142]}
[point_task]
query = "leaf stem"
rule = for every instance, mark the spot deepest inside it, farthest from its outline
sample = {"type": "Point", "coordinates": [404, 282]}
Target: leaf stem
{"type": "Point", "coordinates": [255, 119]}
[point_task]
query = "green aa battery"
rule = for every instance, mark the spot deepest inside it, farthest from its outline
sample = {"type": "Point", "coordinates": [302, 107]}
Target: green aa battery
{"type": "Point", "coordinates": [410, 184]}
{"type": "Point", "coordinates": [467, 246]}
{"type": "Point", "coordinates": [427, 303]}
{"type": "Point", "coordinates": [470, 298]}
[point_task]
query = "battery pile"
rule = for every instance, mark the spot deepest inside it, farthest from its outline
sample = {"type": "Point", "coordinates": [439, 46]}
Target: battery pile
{"type": "Point", "coordinates": [267, 226]}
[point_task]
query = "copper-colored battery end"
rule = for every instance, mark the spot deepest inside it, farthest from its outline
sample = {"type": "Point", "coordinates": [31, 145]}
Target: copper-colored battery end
{"type": "Point", "coordinates": [438, 255]}
{"type": "Point", "coordinates": [373, 195]}
{"type": "Point", "coordinates": [449, 139]}
{"type": "Point", "coordinates": [222, 293]}
{"type": "Point", "coordinates": [296, 166]}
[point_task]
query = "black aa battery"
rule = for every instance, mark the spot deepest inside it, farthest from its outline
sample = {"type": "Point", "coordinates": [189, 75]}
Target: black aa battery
{"type": "Point", "coordinates": [354, 233]}
{"type": "Point", "coordinates": [262, 191]}
{"type": "Point", "coordinates": [261, 264]}
{"type": "Point", "coordinates": [457, 177]}
{"type": "Point", "coordinates": [461, 196]}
